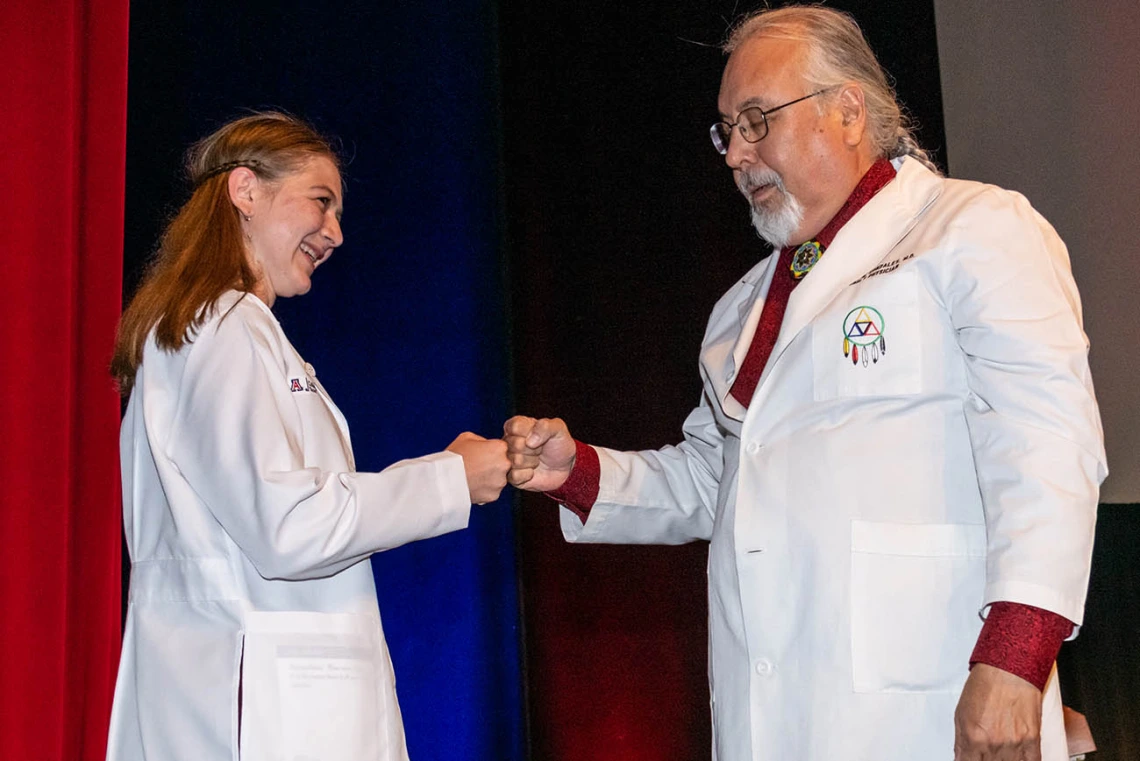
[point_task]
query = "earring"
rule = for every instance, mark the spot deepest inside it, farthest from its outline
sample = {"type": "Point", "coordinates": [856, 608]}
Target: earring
{"type": "Point", "coordinates": [245, 216]}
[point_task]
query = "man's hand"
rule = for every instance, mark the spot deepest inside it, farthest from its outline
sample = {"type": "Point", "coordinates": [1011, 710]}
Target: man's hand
{"type": "Point", "coordinates": [998, 718]}
{"type": "Point", "coordinates": [541, 452]}
{"type": "Point", "coordinates": [485, 463]}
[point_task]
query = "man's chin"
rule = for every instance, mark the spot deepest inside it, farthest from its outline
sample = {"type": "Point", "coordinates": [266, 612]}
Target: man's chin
{"type": "Point", "coordinates": [774, 238]}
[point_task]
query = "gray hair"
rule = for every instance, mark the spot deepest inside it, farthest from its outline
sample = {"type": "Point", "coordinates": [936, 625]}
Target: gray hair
{"type": "Point", "coordinates": [838, 53]}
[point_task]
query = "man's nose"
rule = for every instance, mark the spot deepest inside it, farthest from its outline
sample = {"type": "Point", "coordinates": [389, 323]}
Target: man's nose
{"type": "Point", "coordinates": [740, 151]}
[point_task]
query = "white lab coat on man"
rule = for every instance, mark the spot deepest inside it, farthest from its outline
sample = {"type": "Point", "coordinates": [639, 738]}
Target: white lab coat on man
{"type": "Point", "coordinates": [249, 533]}
{"type": "Point", "coordinates": [867, 505]}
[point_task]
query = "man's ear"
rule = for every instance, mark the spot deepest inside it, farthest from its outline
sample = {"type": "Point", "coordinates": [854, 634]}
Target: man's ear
{"type": "Point", "coordinates": [243, 184]}
{"type": "Point", "coordinates": [853, 111]}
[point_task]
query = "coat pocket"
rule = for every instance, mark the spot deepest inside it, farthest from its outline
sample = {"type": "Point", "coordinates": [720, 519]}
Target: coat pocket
{"type": "Point", "coordinates": [868, 343]}
{"type": "Point", "coordinates": [915, 594]}
{"type": "Point", "coordinates": [318, 685]}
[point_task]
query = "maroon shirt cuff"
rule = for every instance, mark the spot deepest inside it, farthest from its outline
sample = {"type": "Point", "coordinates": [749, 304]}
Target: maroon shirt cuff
{"type": "Point", "coordinates": [1022, 640]}
{"type": "Point", "coordinates": [579, 491]}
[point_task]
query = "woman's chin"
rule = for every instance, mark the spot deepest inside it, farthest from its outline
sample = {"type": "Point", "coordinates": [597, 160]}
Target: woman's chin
{"type": "Point", "coordinates": [302, 283]}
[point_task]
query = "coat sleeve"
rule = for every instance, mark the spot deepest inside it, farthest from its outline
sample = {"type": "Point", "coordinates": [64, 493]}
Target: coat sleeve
{"type": "Point", "coordinates": [1032, 416]}
{"type": "Point", "coordinates": [665, 496]}
{"type": "Point", "coordinates": [237, 439]}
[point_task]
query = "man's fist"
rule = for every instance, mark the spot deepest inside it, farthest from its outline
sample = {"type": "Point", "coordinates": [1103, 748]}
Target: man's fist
{"type": "Point", "coordinates": [541, 452]}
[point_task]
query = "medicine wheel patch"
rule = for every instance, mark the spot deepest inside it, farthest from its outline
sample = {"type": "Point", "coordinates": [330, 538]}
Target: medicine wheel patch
{"type": "Point", "coordinates": [863, 339]}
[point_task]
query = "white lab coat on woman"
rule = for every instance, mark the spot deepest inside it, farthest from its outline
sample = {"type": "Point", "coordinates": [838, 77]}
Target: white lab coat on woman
{"type": "Point", "coordinates": [868, 504]}
{"type": "Point", "coordinates": [249, 533]}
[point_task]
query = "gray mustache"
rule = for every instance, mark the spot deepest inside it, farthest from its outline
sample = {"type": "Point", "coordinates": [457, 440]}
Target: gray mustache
{"type": "Point", "coordinates": [749, 181]}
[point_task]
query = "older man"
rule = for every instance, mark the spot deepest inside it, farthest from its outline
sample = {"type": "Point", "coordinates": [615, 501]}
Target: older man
{"type": "Point", "coordinates": [897, 432]}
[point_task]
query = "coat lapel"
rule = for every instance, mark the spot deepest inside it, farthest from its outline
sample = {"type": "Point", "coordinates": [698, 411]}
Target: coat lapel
{"type": "Point", "coordinates": [861, 244]}
{"type": "Point", "coordinates": [726, 348]}
{"type": "Point", "coordinates": [749, 311]}
{"type": "Point", "coordinates": [341, 423]}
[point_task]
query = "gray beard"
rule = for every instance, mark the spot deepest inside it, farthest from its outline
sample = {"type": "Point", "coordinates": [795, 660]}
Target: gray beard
{"type": "Point", "coordinates": [776, 221]}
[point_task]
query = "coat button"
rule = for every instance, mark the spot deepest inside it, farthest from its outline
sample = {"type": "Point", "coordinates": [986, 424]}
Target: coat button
{"type": "Point", "coordinates": [764, 667]}
{"type": "Point", "coordinates": [752, 447]}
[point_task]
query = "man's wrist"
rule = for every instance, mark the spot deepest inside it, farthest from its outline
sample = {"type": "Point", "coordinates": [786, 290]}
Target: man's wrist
{"type": "Point", "coordinates": [1022, 640]}
{"type": "Point", "coordinates": [579, 491]}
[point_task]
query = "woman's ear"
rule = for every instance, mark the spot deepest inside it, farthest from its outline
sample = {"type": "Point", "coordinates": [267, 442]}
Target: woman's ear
{"type": "Point", "coordinates": [242, 184]}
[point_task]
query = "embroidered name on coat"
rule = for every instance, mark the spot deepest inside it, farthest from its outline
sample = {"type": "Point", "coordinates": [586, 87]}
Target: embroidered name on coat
{"type": "Point", "coordinates": [885, 268]}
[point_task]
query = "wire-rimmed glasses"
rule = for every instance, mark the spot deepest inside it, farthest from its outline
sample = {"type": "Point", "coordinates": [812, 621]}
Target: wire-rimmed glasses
{"type": "Point", "coordinates": [752, 123]}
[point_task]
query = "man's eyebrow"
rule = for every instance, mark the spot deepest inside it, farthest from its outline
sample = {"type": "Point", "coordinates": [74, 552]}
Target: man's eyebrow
{"type": "Point", "coordinates": [759, 100]}
{"type": "Point", "coordinates": [752, 102]}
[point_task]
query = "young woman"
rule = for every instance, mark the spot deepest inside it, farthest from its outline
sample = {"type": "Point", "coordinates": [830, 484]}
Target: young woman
{"type": "Point", "coordinates": [252, 621]}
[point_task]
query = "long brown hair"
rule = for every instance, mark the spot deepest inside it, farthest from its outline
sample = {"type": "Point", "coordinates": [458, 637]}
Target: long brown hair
{"type": "Point", "coordinates": [202, 253]}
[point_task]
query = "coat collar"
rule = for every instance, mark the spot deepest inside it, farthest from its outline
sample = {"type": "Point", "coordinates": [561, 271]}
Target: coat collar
{"type": "Point", "coordinates": [864, 241]}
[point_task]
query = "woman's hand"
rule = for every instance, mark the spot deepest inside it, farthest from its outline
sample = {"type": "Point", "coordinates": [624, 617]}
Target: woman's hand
{"type": "Point", "coordinates": [486, 464]}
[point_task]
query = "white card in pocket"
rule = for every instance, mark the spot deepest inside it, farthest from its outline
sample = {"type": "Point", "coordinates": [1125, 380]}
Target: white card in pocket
{"type": "Point", "coordinates": [315, 687]}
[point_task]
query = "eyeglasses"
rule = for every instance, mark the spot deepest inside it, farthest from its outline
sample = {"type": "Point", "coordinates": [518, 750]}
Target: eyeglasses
{"type": "Point", "coordinates": [752, 123]}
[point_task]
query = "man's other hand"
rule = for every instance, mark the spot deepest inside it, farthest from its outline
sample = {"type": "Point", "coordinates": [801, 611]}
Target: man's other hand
{"type": "Point", "coordinates": [998, 718]}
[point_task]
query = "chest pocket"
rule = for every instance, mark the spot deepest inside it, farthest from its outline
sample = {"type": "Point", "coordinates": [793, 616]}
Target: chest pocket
{"type": "Point", "coordinates": [867, 343]}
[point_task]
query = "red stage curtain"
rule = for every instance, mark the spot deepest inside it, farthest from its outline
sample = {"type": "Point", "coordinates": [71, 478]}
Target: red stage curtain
{"type": "Point", "coordinates": [63, 136]}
